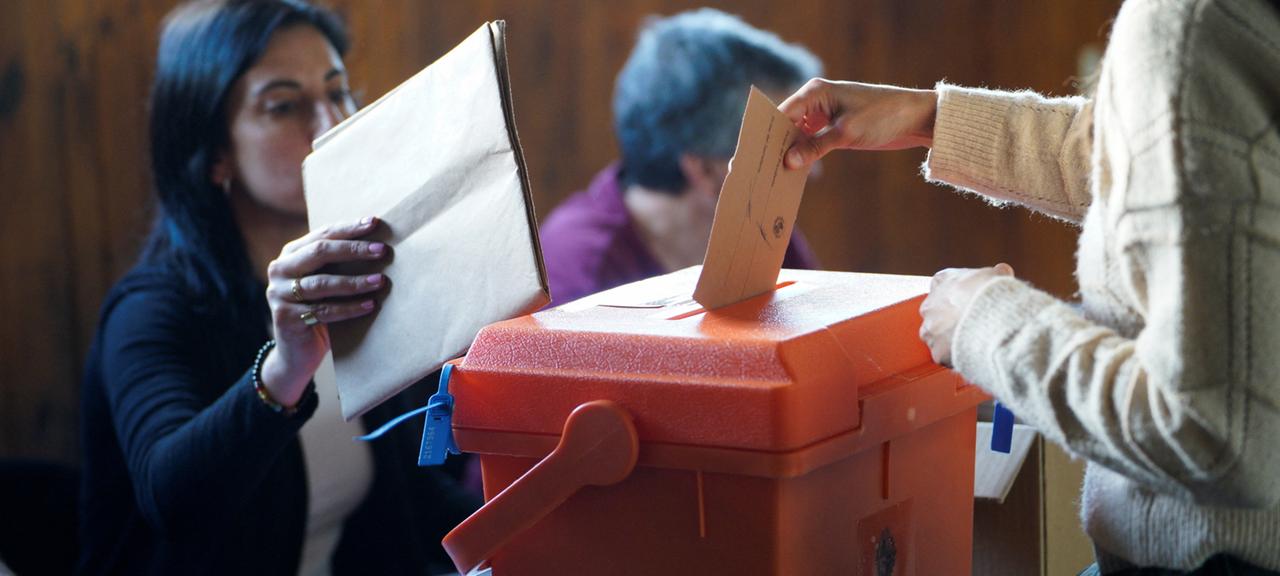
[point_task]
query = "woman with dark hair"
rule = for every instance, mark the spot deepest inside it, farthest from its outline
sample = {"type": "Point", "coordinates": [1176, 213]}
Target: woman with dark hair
{"type": "Point", "coordinates": [207, 447]}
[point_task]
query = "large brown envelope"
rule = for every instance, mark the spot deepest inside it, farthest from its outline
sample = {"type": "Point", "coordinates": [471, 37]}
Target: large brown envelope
{"type": "Point", "coordinates": [438, 161]}
{"type": "Point", "coordinates": [756, 212]}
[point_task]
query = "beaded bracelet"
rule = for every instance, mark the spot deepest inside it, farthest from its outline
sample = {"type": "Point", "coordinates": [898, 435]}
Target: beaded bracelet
{"type": "Point", "coordinates": [261, 389]}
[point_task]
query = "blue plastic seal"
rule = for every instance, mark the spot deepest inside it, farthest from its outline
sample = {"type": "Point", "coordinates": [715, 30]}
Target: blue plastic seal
{"type": "Point", "coordinates": [391, 424]}
{"type": "Point", "coordinates": [1002, 429]}
{"type": "Point", "coordinates": [437, 432]}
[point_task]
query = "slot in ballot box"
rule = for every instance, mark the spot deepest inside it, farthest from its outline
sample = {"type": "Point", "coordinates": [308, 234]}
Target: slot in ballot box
{"type": "Point", "coordinates": [804, 431]}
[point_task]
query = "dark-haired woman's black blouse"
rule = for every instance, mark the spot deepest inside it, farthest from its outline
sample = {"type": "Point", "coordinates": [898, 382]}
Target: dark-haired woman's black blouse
{"type": "Point", "coordinates": [186, 471]}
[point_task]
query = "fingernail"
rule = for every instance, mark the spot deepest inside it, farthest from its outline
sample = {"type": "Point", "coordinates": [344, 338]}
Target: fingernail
{"type": "Point", "coordinates": [794, 159]}
{"type": "Point", "coordinates": [377, 247]}
{"type": "Point", "coordinates": [373, 279]}
{"type": "Point", "coordinates": [367, 221]}
{"type": "Point", "coordinates": [367, 304]}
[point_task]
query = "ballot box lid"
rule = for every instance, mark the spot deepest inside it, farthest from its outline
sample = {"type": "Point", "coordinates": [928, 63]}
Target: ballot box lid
{"type": "Point", "coordinates": [779, 372]}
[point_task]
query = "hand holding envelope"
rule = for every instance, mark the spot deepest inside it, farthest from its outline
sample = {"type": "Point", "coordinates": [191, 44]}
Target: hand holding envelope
{"type": "Point", "coordinates": [438, 161]}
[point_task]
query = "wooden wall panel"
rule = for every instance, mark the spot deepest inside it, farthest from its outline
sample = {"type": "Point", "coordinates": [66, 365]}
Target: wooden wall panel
{"type": "Point", "coordinates": [74, 202]}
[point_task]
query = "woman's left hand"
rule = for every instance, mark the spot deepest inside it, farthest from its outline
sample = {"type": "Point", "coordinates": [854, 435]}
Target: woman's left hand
{"type": "Point", "coordinates": [950, 294]}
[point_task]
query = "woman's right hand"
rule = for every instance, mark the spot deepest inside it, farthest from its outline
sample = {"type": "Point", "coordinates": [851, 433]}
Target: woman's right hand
{"type": "Point", "coordinates": [304, 302]}
{"type": "Point", "coordinates": [858, 117]}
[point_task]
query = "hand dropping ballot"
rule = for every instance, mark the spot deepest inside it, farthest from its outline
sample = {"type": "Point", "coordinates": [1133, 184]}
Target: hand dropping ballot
{"type": "Point", "coordinates": [754, 219]}
{"type": "Point", "coordinates": [438, 161]}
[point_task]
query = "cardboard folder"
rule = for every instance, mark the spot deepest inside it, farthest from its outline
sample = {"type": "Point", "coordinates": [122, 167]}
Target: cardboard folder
{"type": "Point", "coordinates": [438, 160]}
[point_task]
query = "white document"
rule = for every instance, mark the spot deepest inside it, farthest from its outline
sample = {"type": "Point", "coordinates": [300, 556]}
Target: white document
{"type": "Point", "coordinates": [437, 159]}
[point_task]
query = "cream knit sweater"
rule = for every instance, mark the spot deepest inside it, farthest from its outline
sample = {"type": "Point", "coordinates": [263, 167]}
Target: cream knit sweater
{"type": "Point", "coordinates": [1167, 379]}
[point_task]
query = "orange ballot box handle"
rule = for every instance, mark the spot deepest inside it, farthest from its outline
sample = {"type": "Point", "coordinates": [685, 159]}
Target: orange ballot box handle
{"type": "Point", "coordinates": [599, 447]}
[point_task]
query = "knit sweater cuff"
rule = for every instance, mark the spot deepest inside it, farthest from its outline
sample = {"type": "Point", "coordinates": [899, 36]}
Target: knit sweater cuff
{"type": "Point", "coordinates": [997, 312]}
{"type": "Point", "coordinates": [968, 132]}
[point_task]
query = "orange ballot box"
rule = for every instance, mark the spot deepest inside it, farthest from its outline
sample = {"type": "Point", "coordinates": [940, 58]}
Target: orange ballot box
{"type": "Point", "coordinates": [803, 431]}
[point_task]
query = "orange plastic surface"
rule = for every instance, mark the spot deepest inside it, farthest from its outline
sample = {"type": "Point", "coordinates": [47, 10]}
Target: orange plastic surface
{"type": "Point", "coordinates": [906, 504]}
{"type": "Point", "coordinates": [598, 448]}
{"type": "Point", "coordinates": [773, 373]}
{"type": "Point", "coordinates": [801, 432]}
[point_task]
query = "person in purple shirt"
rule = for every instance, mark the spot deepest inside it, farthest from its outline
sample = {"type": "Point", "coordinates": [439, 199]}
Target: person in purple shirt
{"type": "Point", "coordinates": [677, 106]}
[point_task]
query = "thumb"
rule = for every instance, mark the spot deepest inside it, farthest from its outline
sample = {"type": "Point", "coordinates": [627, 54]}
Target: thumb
{"type": "Point", "coordinates": [1004, 269]}
{"type": "Point", "coordinates": [807, 150]}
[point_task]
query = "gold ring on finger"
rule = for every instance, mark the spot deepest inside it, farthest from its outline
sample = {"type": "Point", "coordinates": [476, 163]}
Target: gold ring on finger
{"type": "Point", "coordinates": [297, 290]}
{"type": "Point", "coordinates": [309, 317]}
